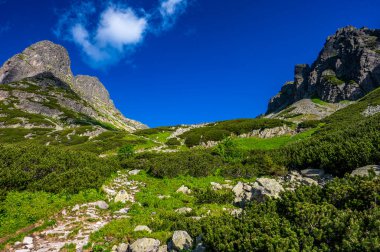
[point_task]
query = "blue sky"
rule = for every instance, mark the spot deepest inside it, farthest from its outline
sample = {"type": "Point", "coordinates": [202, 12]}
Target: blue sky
{"type": "Point", "coordinates": [168, 62]}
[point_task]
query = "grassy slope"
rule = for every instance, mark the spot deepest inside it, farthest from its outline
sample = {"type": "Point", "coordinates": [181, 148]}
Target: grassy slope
{"type": "Point", "coordinates": [255, 143]}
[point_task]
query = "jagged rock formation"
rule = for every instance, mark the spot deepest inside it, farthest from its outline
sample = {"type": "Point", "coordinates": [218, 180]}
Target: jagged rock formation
{"type": "Point", "coordinates": [42, 83]}
{"type": "Point", "coordinates": [347, 68]}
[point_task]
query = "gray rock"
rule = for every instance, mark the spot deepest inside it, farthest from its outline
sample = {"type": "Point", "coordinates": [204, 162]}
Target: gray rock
{"type": "Point", "coordinates": [141, 228]}
{"type": "Point", "coordinates": [184, 189]}
{"type": "Point", "coordinates": [181, 240]}
{"type": "Point", "coordinates": [145, 245]}
{"type": "Point", "coordinates": [365, 171]}
{"type": "Point", "coordinates": [123, 247]}
{"type": "Point", "coordinates": [101, 205]}
{"type": "Point", "coordinates": [313, 173]}
{"type": "Point", "coordinates": [122, 196]}
{"type": "Point", "coordinates": [27, 240]}
{"type": "Point", "coordinates": [134, 172]}
{"type": "Point", "coordinates": [266, 187]}
{"type": "Point", "coordinates": [184, 210]}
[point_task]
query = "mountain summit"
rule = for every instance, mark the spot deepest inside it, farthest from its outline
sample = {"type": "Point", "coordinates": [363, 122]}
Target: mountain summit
{"type": "Point", "coordinates": [347, 68]}
{"type": "Point", "coordinates": [39, 70]}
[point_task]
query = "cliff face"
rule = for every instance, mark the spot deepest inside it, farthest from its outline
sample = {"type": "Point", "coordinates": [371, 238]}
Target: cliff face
{"type": "Point", "coordinates": [347, 68]}
{"type": "Point", "coordinates": [47, 65]}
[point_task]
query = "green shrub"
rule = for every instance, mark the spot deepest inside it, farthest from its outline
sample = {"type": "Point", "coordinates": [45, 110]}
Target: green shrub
{"type": "Point", "coordinates": [37, 167]}
{"type": "Point", "coordinates": [343, 216]}
{"type": "Point", "coordinates": [210, 196]}
{"type": "Point", "coordinates": [127, 151]}
{"type": "Point", "coordinates": [173, 142]}
{"type": "Point", "coordinates": [308, 124]}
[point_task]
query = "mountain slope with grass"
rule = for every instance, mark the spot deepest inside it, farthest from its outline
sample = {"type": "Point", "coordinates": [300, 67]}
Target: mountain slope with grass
{"type": "Point", "coordinates": [77, 176]}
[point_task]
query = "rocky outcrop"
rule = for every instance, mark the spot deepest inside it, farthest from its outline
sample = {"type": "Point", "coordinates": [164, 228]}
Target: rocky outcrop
{"type": "Point", "coordinates": [347, 68]}
{"type": "Point", "coordinates": [366, 171]}
{"type": "Point", "coordinates": [46, 65]}
{"type": "Point", "coordinates": [39, 58]}
{"type": "Point", "coordinates": [269, 133]}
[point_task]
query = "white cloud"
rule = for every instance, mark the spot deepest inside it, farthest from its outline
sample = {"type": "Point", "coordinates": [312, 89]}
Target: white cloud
{"type": "Point", "coordinates": [170, 7]}
{"type": "Point", "coordinates": [108, 35]}
{"type": "Point", "coordinates": [119, 28]}
{"type": "Point", "coordinates": [170, 10]}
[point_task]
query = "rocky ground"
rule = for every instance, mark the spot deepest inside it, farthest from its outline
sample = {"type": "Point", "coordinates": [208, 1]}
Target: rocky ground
{"type": "Point", "coordinates": [74, 225]}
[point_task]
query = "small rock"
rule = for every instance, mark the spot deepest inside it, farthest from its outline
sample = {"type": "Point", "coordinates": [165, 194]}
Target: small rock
{"type": "Point", "coordinates": [163, 196]}
{"type": "Point", "coordinates": [75, 208]}
{"type": "Point", "coordinates": [22, 250]}
{"type": "Point", "coordinates": [101, 204]}
{"type": "Point", "coordinates": [141, 228]}
{"type": "Point", "coordinates": [216, 186]}
{"type": "Point", "coordinates": [114, 248]}
{"type": "Point", "coordinates": [27, 240]}
{"type": "Point", "coordinates": [18, 243]}
{"type": "Point", "coordinates": [313, 173]}
{"type": "Point", "coordinates": [184, 189]}
{"type": "Point", "coordinates": [145, 245]}
{"type": "Point", "coordinates": [181, 240]}
{"type": "Point", "coordinates": [134, 172]}
{"type": "Point", "coordinates": [236, 212]}
{"type": "Point", "coordinates": [123, 247]}
{"type": "Point", "coordinates": [122, 211]}
{"type": "Point", "coordinates": [184, 210]}
{"type": "Point", "coordinates": [122, 196]}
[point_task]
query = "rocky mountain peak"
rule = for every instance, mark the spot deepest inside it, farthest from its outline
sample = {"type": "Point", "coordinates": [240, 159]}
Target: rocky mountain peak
{"type": "Point", "coordinates": [45, 63]}
{"type": "Point", "coordinates": [39, 58]}
{"type": "Point", "coordinates": [347, 68]}
{"type": "Point", "coordinates": [91, 89]}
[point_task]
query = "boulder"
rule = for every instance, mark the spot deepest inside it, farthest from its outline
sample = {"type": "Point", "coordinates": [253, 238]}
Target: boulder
{"type": "Point", "coordinates": [181, 240]}
{"type": "Point", "coordinates": [266, 187]}
{"type": "Point", "coordinates": [101, 204]}
{"type": "Point", "coordinates": [141, 228]}
{"type": "Point", "coordinates": [365, 170]}
{"type": "Point", "coordinates": [184, 189]}
{"type": "Point", "coordinates": [145, 245]}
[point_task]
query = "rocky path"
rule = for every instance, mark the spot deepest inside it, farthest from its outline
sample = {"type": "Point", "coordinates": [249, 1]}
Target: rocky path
{"type": "Point", "coordinates": [75, 225]}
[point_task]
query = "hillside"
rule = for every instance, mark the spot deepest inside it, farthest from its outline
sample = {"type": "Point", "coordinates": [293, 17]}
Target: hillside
{"type": "Point", "coordinates": [76, 175]}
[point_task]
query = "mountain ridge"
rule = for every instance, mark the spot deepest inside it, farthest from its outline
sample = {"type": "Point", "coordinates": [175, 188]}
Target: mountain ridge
{"type": "Point", "coordinates": [48, 62]}
{"type": "Point", "coordinates": [347, 68]}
